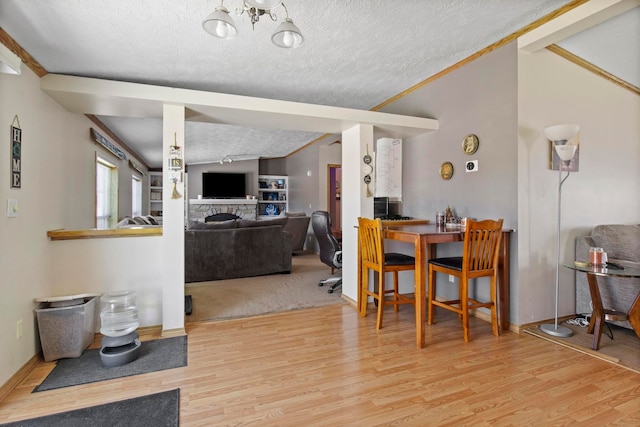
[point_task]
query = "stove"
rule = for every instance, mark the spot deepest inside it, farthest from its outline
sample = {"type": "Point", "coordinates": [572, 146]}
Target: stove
{"type": "Point", "coordinates": [395, 218]}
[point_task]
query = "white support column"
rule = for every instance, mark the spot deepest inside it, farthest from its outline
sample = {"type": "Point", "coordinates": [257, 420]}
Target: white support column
{"type": "Point", "coordinates": [355, 202]}
{"type": "Point", "coordinates": [172, 226]}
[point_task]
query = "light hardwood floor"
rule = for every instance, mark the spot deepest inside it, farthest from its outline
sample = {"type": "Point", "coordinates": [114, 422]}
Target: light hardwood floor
{"type": "Point", "coordinates": [328, 367]}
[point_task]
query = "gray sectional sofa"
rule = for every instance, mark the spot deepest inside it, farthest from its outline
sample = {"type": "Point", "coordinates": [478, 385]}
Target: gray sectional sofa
{"type": "Point", "coordinates": [298, 226]}
{"type": "Point", "coordinates": [622, 245]}
{"type": "Point", "coordinates": [236, 248]}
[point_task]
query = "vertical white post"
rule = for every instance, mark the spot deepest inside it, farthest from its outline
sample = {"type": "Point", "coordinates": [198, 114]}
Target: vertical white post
{"type": "Point", "coordinates": [172, 263]}
{"type": "Point", "coordinates": [354, 201]}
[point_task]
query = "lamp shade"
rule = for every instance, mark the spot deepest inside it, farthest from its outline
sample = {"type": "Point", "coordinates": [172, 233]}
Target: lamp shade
{"type": "Point", "coordinates": [264, 4]}
{"type": "Point", "coordinates": [566, 151]}
{"type": "Point", "coordinates": [220, 24]}
{"type": "Point", "coordinates": [287, 35]}
{"type": "Point", "coordinates": [561, 132]}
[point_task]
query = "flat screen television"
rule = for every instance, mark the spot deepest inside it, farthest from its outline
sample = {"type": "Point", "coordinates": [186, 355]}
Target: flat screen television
{"type": "Point", "coordinates": [220, 185]}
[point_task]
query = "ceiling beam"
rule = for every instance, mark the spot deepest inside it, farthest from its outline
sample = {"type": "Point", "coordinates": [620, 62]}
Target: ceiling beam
{"type": "Point", "coordinates": [574, 21]}
{"type": "Point", "coordinates": [122, 99]}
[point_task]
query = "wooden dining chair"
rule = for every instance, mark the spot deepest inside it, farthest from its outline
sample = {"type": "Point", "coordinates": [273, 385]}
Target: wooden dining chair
{"type": "Point", "coordinates": [373, 257]}
{"type": "Point", "coordinates": [479, 259]}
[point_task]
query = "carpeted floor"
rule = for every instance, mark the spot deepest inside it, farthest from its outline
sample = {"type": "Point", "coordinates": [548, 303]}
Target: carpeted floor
{"type": "Point", "coordinates": [155, 355]}
{"type": "Point", "coordinates": [158, 410]}
{"type": "Point", "coordinates": [622, 350]}
{"type": "Point", "coordinates": [252, 296]}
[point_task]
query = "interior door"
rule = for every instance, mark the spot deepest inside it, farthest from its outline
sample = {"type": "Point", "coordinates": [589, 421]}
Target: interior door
{"type": "Point", "coordinates": [334, 177]}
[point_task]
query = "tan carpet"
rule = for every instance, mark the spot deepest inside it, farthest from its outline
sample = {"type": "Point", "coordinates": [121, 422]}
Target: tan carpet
{"type": "Point", "coordinates": [623, 350]}
{"type": "Point", "coordinates": [252, 296]}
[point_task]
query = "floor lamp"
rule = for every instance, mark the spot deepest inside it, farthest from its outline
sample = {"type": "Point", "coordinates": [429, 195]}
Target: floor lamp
{"type": "Point", "coordinates": [560, 135]}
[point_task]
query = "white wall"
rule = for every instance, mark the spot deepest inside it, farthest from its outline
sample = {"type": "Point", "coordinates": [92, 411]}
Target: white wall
{"type": "Point", "coordinates": [58, 191]}
{"type": "Point", "coordinates": [108, 265]}
{"type": "Point", "coordinates": [606, 190]}
{"type": "Point", "coordinates": [479, 98]}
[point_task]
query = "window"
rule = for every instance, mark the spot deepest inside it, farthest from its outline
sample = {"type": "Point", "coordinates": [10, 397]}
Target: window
{"type": "Point", "coordinates": [136, 196]}
{"type": "Point", "coordinates": [106, 193]}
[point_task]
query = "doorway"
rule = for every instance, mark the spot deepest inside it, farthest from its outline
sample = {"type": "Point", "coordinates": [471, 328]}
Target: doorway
{"type": "Point", "coordinates": [334, 179]}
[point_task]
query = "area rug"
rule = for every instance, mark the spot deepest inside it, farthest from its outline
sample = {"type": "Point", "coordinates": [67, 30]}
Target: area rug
{"type": "Point", "coordinates": [155, 355]}
{"type": "Point", "coordinates": [252, 296]}
{"type": "Point", "coordinates": [623, 350]}
{"type": "Point", "coordinates": [158, 410]}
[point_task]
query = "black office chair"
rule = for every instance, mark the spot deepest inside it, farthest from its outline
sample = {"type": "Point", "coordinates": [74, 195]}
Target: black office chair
{"type": "Point", "coordinates": [330, 249]}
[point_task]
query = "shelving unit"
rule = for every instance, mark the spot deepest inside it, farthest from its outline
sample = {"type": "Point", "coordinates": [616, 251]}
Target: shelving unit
{"type": "Point", "coordinates": [273, 195]}
{"type": "Point", "coordinates": [155, 194]}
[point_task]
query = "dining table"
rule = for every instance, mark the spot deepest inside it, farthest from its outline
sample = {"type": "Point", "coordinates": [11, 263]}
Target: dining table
{"type": "Point", "coordinates": [425, 237]}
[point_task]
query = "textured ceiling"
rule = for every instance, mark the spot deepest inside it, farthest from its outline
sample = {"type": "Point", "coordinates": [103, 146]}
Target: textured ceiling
{"type": "Point", "coordinates": [356, 54]}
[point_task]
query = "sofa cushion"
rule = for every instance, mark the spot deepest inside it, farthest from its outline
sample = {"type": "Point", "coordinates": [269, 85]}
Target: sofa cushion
{"type": "Point", "coordinates": [619, 241]}
{"type": "Point", "coordinates": [219, 225]}
{"type": "Point", "coordinates": [125, 222]}
{"type": "Point", "coordinates": [298, 226]}
{"type": "Point", "coordinates": [293, 214]}
{"type": "Point", "coordinates": [244, 223]}
{"type": "Point", "coordinates": [140, 220]}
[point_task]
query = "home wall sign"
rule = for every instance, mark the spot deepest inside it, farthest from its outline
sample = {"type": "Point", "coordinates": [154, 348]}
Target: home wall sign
{"type": "Point", "coordinates": [16, 153]}
{"type": "Point", "coordinates": [175, 166]}
{"type": "Point", "coordinates": [107, 144]}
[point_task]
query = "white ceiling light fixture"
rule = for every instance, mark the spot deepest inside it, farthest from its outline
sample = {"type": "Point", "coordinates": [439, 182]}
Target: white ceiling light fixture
{"type": "Point", "coordinates": [220, 24]}
{"type": "Point", "coordinates": [9, 62]}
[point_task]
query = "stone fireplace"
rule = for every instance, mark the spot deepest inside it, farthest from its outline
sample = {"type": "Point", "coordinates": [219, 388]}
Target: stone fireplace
{"type": "Point", "coordinates": [199, 209]}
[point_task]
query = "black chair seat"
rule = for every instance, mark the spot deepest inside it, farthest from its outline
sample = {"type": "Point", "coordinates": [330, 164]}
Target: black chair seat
{"type": "Point", "coordinates": [393, 258]}
{"type": "Point", "coordinates": [454, 263]}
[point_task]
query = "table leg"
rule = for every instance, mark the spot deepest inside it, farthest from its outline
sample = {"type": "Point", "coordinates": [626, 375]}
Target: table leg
{"type": "Point", "coordinates": [634, 315]}
{"type": "Point", "coordinates": [504, 282]}
{"type": "Point", "coordinates": [421, 256]}
{"type": "Point", "coordinates": [597, 316]}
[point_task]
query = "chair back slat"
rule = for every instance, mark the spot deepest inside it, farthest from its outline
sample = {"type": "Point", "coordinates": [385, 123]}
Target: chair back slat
{"type": "Point", "coordinates": [371, 242]}
{"type": "Point", "coordinates": [481, 244]}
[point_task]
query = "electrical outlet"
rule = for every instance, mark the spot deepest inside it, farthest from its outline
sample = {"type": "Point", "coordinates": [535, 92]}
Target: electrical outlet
{"type": "Point", "coordinates": [19, 329]}
{"type": "Point", "coordinates": [471, 166]}
{"type": "Point", "coordinates": [452, 278]}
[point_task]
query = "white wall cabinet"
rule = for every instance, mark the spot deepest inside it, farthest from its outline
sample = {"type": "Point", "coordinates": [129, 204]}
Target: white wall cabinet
{"type": "Point", "coordinates": [273, 195]}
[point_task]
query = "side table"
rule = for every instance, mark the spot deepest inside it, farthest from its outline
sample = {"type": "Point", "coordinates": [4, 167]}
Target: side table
{"type": "Point", "coordinates": [600, 314]}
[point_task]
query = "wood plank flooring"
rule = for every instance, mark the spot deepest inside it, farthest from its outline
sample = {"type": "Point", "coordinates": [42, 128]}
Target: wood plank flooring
{"type": "Point", "coordinates": [328, 367]}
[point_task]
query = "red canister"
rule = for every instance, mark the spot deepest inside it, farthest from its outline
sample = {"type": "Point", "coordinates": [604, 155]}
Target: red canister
{"type": "Point", "coordinates": [596, 257]}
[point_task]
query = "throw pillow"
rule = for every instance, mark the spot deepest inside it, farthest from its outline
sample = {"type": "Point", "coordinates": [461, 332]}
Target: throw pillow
{"type": "Point", "coordinates": [125, 221]}
{"type": "Point", "coordinates": [151, 220]}
{"type": "Point", "coordinates": [141, 220]}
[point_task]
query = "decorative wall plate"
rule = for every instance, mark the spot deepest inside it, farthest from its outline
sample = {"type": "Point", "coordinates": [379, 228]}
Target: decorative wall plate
{"type": "Point", "coordinates": [470, 144]}
{"type": "Point", "coordinates": [446, 170]}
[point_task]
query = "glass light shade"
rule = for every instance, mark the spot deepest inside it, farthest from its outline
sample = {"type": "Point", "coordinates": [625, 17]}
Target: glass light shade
{"type": "Point", "coordinates": [561, 132]}
{"type": "Point", "coordinates": [566, 151]}
{"type": "Point", "coordinates": [263, 4]}
{"type": "Point", "coordinates": [287, 35]}
{"type": "Point", "coordinates": [220, 24]}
